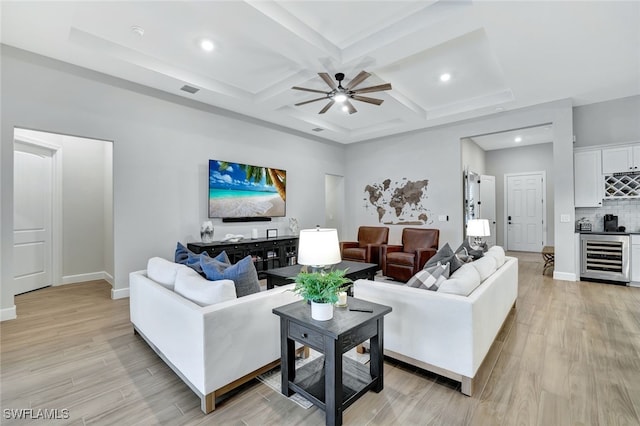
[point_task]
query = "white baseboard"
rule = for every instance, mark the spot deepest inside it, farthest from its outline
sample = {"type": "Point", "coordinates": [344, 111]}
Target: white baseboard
{"type": "Point", "coordinates": [565, 276]}
{"type": "Point", "coordinates": [119, 293]}
{"type": "Point", "coordinates": [8, 313]}
{"type": "Point", "coordinates": [92, 276]}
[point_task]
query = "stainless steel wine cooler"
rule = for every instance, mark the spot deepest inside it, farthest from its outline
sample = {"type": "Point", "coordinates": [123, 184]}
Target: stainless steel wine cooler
{"type": "Point", "coordinates": [605, 257]}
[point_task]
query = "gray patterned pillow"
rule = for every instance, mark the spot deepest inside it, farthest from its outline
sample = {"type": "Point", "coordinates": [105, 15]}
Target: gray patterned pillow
{"type": "Point", "coordinates": [430, 278]}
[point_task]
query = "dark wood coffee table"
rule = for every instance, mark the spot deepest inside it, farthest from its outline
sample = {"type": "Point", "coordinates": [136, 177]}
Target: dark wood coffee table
{"type": "Point", "coordinates": [355, 271]}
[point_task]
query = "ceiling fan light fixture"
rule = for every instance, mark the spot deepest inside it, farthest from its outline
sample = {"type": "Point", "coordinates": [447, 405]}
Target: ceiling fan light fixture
{"type": "Point", "coordinates": [345, 109]}
{"type": "Point", "coordinates": [340, 97]}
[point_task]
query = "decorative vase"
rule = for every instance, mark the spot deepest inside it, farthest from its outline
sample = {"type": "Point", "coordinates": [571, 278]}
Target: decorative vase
{"type": "Point", "coordinates": [321, 311]}
{"type": "Point", "coordinates": [206, 232]}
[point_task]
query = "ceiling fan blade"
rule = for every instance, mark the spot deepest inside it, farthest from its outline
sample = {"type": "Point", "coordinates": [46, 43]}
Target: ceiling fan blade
{"type": "Point", "coordinates": [312, 100]}
{"type": "Point", "coordinates": [308, 90]}
{"type": "Point", "coordinates": [367, 99]}
{"type": "Point", "coordinates": [327, 79]}
{"type": "Point", "coordinates": [386, 86]}
{"type": "Point", "coordinates": [362, 76]}
{"type": "Point", "coordinates": [350, 107]}
{"type": "Point", "coordinates": [327, 106]}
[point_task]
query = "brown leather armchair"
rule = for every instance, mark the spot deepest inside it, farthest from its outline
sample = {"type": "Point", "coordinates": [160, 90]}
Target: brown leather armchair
{"type": "Point", "coordinates": [367, 248]}
{"type": "Point", "coordinates": [403, 262]}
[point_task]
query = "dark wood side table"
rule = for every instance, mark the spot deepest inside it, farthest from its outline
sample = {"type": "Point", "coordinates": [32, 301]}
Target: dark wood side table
{"type": "Point", "coordinates": [355, 271]}
{"type": "Point", "coordinates": [332, 382]}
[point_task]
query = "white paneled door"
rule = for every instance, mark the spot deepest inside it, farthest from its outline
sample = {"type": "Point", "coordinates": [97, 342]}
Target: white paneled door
{"type": "Point", "coordinates": [33, 199]}
{"type": "Point", "coordinates": [525, 202]}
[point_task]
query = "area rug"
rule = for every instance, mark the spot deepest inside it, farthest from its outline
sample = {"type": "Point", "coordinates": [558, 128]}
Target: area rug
{"type": "Point", "coordinates": [273, 379]}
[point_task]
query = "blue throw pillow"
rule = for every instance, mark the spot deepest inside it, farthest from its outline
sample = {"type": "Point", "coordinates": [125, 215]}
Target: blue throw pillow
{"type": "Point", "coordinates": [185, 256]}
{"type": "Point", "coordinates": [243, 274]}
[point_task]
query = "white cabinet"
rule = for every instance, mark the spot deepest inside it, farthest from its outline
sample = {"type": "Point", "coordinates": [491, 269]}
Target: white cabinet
{"type": "Point", "coordinates": [635, 260]}
{"type": "Point", "coordinates": [587, 176]}
{"type": "Point", "coordinates": [619, 160]}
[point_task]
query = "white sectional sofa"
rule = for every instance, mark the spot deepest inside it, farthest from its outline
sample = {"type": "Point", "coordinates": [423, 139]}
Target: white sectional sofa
{"type": "Point", "coordinates": [447, 334]}
{"type": "Point", "coordinates": [212, 348]}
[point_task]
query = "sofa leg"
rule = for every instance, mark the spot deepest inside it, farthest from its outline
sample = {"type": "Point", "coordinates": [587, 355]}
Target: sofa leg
{"type": "Point", "coordinates": [467, 385]}
{"type": "Point", "coordinates": [208, 403]}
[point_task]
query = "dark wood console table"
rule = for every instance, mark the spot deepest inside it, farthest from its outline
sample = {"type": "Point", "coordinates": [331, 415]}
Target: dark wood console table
{"type": "Point", "coordinates": [267, 253]}
{"type": "Point", "coordinates": [332, 382]}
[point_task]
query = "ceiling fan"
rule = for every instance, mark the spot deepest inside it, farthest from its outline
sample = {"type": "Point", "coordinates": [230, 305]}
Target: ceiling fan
{"type": "Point", "coordinates": [343, 94]}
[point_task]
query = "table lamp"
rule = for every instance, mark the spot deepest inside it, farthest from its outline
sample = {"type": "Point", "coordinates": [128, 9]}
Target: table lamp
{"type": "Point", "coordinates": [478, 228]}
{"type": "Point", "coordinates": [318, 248]}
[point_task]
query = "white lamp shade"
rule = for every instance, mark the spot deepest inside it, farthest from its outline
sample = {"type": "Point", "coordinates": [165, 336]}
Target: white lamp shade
{"type": "Point", "coordinates": [319, 247]}
{"type": "Point", "coordinates": [478, 228]}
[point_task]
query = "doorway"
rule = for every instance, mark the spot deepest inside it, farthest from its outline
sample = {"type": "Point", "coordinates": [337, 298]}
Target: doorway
{"type": "Point", "coordinates": [334, 202]}
{"type": "Point", "coordinates": [525, 200]}
{"type": "Point", "coordinates": [63, 210]}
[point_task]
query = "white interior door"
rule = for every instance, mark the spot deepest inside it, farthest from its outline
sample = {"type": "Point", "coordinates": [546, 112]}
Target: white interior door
{"type": "Point", "coordinates": [525, 202]}
{"type": "Point", "coordinates": [33, 199]}
{"type": "Point", "coordinates": [487, 206]}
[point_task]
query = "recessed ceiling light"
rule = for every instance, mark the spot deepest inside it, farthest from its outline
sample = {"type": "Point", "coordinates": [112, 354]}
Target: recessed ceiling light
{"type": "Point", "coordinates": [445, 77]}
{"type": "Point", "coordinates": [206, 45]}
{"type": "Point", "coordinates": [137, 30]}
{"type": "Point", "coordinates": [345, 109]}
{"type": "Point", "coordinates": [518, 139]}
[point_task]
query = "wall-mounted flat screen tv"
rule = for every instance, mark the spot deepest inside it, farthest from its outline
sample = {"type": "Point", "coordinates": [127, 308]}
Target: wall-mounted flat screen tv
{"type": "Point", "coordinates": [246, 191]}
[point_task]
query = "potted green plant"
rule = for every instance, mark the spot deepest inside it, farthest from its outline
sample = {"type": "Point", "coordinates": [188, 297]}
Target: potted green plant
{"type": "Point", "coordinates": [321, 289]}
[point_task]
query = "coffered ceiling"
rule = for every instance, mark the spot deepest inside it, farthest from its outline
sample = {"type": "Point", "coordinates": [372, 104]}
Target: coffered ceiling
{"type": "Point", "coordinates": [500, 55]}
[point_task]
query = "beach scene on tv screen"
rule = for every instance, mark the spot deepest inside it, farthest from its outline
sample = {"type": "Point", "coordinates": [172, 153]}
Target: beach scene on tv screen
{"type": "Point", "coordinates": [241, 190]}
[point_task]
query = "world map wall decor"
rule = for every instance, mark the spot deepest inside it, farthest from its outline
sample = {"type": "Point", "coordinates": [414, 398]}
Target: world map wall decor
{"type": "Point", "coordinates": [399, 203]}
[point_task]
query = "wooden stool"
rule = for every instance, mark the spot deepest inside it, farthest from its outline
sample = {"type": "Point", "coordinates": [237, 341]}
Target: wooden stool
{"type": "Point", "coordinates": [548, 255]}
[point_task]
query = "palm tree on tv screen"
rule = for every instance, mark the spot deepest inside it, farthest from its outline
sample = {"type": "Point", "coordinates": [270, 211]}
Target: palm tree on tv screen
{"type": "Point", "coordinates": [274, 177]}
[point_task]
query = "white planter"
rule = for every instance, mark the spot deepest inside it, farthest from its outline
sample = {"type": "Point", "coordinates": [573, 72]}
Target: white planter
{"type": "Point", "coordinates": [321, 311]}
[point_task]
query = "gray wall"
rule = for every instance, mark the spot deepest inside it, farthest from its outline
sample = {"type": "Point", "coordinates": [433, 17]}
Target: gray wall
{"type": "Point", "coordinates": [161, 147]}
{"type": "Point", "coordinates": [473, 157]}
{"type": "Point", "coordinates": [83, 206]}
{"type": "Point", "coordinates": [611, 122]}
{"type": "Point", "coordinates": [531, 158]}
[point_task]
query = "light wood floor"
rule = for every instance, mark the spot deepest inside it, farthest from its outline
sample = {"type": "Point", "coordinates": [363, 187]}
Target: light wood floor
{"type": "Point", "coordinates": [569, 355]}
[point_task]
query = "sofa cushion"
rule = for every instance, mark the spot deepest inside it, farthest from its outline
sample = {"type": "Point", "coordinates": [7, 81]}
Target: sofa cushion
{"type": "Point", "coordinates": [192, 286]}
{"type": "Point", "coordinates": [485, 266]}
{"type": "Point", "coordinates": [498, 253]}
{"type": "Point", "coordinates": [163, 271]}
{"type": "Point", "coordinates": [401, 258]}
{"type": "Point", "coordinates": [430, 278]}
{"type": "Point", "coordinates": [243, 274]}
{"type": "Point", "coordinates": [462, 282]}
{"type": "Point", "coordinates": [445, 255]}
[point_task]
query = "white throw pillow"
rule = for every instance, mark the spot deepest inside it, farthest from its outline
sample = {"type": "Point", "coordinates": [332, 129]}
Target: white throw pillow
{"type": "Point", "coordinates": [192, 286]}
{"type": "Point", "coordinates": [462, 282]}
{"type": "Point", "coordinates": [498, 253]}
{"type": "Point", "coordinates": [485, 266]}
{"type": "Point", "coordinates": [163, 271]}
